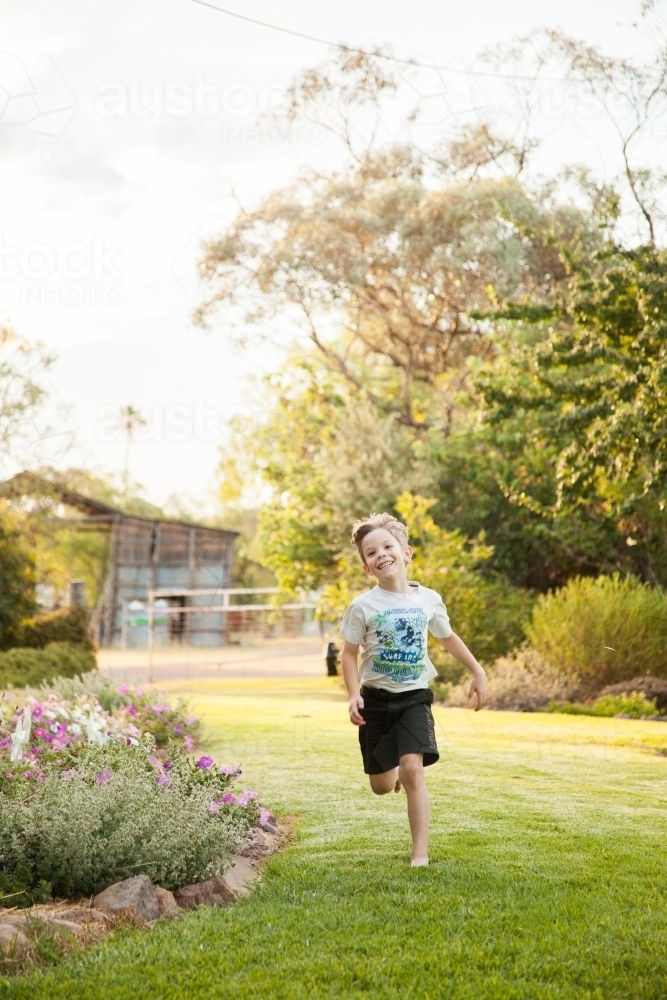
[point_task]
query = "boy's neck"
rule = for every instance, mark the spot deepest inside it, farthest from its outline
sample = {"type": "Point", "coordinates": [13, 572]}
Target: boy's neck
{"type": "Point", "coordinates": [395, 585]}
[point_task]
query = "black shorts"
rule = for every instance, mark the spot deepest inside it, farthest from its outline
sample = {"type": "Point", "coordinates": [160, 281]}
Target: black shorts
{"type": "Point", "coordinates": [396, 724]}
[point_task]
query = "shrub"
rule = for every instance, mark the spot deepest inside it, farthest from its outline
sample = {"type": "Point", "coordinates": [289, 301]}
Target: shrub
{"type": "Point", "coordinates": [629, 706]}
{"type": "Point", "coordinates": [17, 578]}
{"type": "Point", "coordinates": [602, 631]}
{"type": "Point", "coordinates": [22, 666]}
{"type": "Point", "coordinates": [65, 625]}
{"type": "Point", "coordinates": [521, 682]}
{"type": "Point", "coordinates": [78, 821]}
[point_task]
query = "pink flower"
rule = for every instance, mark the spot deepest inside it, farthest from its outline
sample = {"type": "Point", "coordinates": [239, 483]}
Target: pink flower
{"type": "Point", "coordinates": [139, 692]}
{"type": "Point", "coordinates": [191, 719]}
{"type": "Point", "coordinates": [228, 799]}
{"type": "Point", "coordinates": [231, 769]}
{"type": "Point", "coordinates": [156, 762]}
{"type": "Point", "coordinates": [178, 729]}
{"type": "Point", "coordinates": [40, 733]}
{"type": "Point", "coordinates": [37, 711]}
{"type": "Point", "coordinates": [70, 774]}
{"type": "Point", "coordinates": [103, 776]}
{"type": "Point", "coordinates": [189, 744]}
{"type": "Point", "coordinates": [123, 689]}
{"type": "Point", "coordinates": [131, 710]}
{"type": "Point", "coordinates": [164, 780]}
{"type": "Point", "coordinates": [264, 816]}
{"type": "Point", "coordinates": [214, 808]}
{"type": "Point", "coordinates": [246, 798]}
{"type": "Point", "coordinates": [204, 763]}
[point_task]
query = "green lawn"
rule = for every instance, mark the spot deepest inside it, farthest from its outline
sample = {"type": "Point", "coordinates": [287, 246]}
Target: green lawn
{"type": "Point", "coordinates": [548, 875]}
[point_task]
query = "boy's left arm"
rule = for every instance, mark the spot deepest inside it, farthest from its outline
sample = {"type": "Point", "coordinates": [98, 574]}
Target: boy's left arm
{"type": "Point", "coordinates": [458, 649]}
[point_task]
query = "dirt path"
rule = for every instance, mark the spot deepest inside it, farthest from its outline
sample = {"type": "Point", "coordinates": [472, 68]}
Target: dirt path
{"type": "Point", "coordinates": [289, 658]}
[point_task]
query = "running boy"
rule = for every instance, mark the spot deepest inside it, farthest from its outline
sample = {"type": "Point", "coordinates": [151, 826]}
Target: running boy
{"type": "Point", "coordinates": [393, 707]}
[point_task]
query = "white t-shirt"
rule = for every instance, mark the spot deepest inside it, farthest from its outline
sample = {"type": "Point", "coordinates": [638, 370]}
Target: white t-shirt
{"type": "Point", "coordinates": [391, 630]}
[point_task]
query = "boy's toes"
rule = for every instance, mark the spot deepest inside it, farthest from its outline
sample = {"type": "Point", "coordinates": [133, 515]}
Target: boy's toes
{"type": "Point", "coordinates": [418, 862]}
{"type": "Point", "coordinates": [398, 785]}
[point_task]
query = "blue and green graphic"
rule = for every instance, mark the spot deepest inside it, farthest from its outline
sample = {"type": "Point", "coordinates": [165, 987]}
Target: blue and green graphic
{"type": "Point", "coordinates": [401, 634]}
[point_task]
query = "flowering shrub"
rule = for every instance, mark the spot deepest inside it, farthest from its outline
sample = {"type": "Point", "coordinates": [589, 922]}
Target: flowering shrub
{"type": "Point", "coordinates": [75, 822]}
{"type": "Point", "coordinates": [90, 794]}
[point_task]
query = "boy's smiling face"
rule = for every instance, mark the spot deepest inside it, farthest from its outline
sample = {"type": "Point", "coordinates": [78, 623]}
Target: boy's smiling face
{"type": "Point", "coordinates": [383, 557]}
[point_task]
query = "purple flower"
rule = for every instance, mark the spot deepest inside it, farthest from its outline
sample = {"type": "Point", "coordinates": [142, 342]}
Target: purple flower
{"type": "Point", "coordinates": [246, 798]}
{"type": "Point", "coordinates": [228, 799]}
{"type": "Point", "coordinates": [123, 689]}
{"type": "Point", "coordinates": [103, 776]}
{"type": "Point", "coordinates": [231, 769]}
{"type": "Point", "coordinates": [156, 762]}
{"type": "Point", "coordinates": [189, 744]}
{"type": "Point", "coordinates": [164, 780]}
{"type": "Point", "coordinates": [167, 765]}
{"type": "Point", "coordinates": [37, 711]}
{"type": "Point", "coordinates": [61, 727]}
{"type": "Point", "coordinates": [204, 763]}
{"type": "Point", "coordinates": [191, 719]}
{"type": "Point", "coordinates": [40, 733]}
{"type": "Point", "coordinates": [178, 729]}
{"type": "Point", "coordinates": [214, 808]}
{"type": "Point", "coordinates": [131, 710]}
{"type": "Point", "coordinates": [70, 774]}
{"type": "Point", "coordinates": [264, 816]}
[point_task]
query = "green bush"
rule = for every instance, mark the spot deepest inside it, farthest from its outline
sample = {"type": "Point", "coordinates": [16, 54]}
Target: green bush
{"type": "Point", "coordinates": [24, 667]}
{"type": "Point", "coordinates": [602, 631]}
{"type": "Point", "coordinates": [632, 706]}
{"type": "Point", "coordinates": [77, 825]}
{"type": "Point", "coordinates": [65, 625]}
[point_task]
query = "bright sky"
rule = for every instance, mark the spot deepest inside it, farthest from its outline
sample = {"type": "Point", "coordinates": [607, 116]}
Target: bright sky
{"type": "Point", "coordinates": [126, 134]}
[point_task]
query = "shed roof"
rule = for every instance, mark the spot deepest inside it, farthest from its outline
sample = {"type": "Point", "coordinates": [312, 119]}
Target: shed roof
{"type": "Point", "coordinates": [32, 485]}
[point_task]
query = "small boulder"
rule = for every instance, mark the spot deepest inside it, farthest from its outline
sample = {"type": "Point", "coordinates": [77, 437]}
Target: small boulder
{"type": "Point", "coordinates": [240, 876]}
{"type": "Point", "coordinates": [213, 892]}
{"type": "Point", "coordinates": [167, 903]}
{"type": "Point", "coordinates": [13, 942]}
{"type": "Point", "coordinates": [133, 898]}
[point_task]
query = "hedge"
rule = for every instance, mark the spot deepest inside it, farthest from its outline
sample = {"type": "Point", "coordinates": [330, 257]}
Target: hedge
{"type": "Point", "coordinates": [25, 667]}
{"type": "Point", "coordinates": [68, 625]}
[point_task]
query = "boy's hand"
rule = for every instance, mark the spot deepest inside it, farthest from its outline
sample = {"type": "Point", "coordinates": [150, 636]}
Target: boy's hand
{"type": "Point", "coordinates": [356, 702]}
{"type": "Point", "coordinates": [478, 687]}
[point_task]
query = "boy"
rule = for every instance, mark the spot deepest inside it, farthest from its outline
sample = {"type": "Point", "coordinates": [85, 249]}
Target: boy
{"type": "Point", "coordinates": [393, 708]}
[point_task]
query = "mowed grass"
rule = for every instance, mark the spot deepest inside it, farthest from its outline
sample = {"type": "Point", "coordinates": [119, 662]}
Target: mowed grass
{"type": "Point", "coordinates": [548, 875]}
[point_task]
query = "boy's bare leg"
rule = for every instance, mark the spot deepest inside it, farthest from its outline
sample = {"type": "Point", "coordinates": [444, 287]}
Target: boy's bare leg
{"type": "Point", "coordinates": [385, 782]}
{"type": "Point", "coordinates": [411, 774]}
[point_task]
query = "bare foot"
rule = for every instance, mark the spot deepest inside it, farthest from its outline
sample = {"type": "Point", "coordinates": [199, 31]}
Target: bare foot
{"type": "Point", "coordinates": [418, 862]}
{"type": "Point", "coordinates": [398, 785]}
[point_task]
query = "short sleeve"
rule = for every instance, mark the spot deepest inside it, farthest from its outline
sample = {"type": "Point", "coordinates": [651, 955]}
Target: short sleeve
{"type": "Point", "coordinates": [353, 626]}
{"type": "Point", "coordinates": [439, 622]}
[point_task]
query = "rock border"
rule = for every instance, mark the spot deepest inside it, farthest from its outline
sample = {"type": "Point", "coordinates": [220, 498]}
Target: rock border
{"type": "Point", "coordinates": [69, 924]}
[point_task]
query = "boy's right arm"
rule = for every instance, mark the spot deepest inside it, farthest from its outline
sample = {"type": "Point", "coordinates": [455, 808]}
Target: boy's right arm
{"type": "Point", "coordinates": [351, 677]}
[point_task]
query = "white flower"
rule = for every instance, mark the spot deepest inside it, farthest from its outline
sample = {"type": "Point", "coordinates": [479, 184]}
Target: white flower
{"type": "Point", "coordinates": [75, 728]}
{"type": "Point", "coordinates": [94, 733]}
{"type": "Point", "coordinates": [21, 735]}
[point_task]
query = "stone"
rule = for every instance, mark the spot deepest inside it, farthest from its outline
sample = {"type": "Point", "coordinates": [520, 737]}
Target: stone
{"type": "Point", "coordinates": [134, 898]}
{"type": "Point", "coordinates": [166, 903]}
{"type": "Point", "coordinates": [241, 876]}
{"type": "Point", "coordinates": [199, 894]}
{"type": "Point", "coordinates": [13, 942]}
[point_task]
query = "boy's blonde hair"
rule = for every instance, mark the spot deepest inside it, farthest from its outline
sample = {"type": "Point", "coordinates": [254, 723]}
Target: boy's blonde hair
{"type": "Point", "coordinates": [364, 527]}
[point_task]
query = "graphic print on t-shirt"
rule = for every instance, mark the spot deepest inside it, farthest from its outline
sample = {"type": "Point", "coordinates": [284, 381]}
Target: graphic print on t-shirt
{"type": "Point", "coordinates": [401, 634]}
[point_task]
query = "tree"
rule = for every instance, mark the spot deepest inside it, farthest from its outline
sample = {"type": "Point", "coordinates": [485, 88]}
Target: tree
{"type": "Point", "coordinates": [594, 396]}
{"type": "Point", "coordinates": [22, 365]}
{"type": "Point", "coordinates": [17, 577]}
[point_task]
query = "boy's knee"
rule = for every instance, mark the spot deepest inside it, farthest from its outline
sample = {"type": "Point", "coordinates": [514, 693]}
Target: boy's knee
{"type": "Point", "coordinates": [382, 784]}
{"type": "Point", "coordinates": [411, 768]}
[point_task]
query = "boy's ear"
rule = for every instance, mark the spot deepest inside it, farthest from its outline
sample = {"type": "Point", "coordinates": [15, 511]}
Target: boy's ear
{"type": "Point", "coordinates": [407, 554]}
{"type": "Point", "coordinates": [366, 569]}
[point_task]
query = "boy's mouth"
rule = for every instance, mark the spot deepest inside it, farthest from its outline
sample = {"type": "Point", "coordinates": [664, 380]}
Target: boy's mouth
{"type": "Point", "coordinates": [385, 565]}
